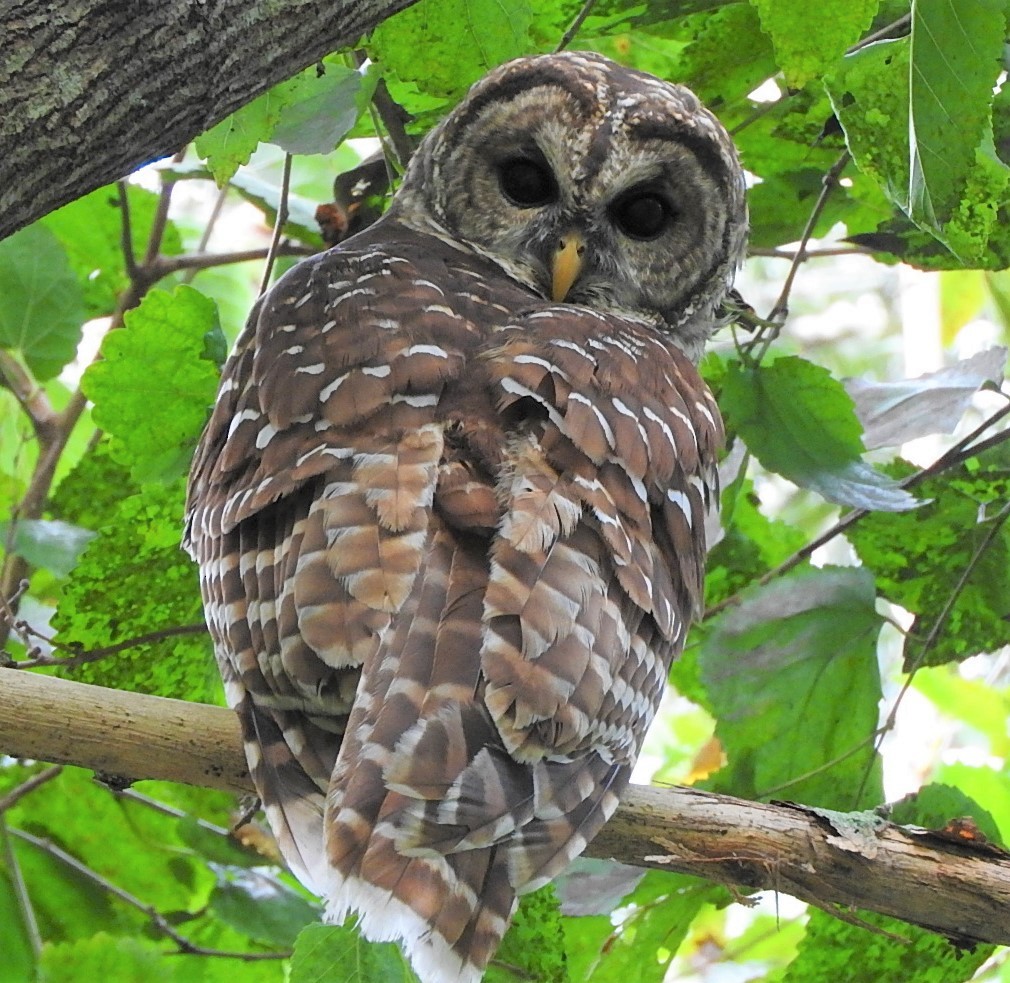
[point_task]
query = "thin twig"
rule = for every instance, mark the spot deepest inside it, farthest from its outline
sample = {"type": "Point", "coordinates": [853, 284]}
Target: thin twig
{"type": "Point", "coordinates": [24, 900]}
{"type": "Point", "coordinates": [781, 309]}
{"type": "Point", "coordinates": [28, 786]}
{"type": "Point", "coordinates": [80, 657]}
{"type": "Point", "coordinates": [166, 810]}
{"type": "Point", "coordinates": [126, 233]}
{"type": "Point", "coordinates": [391, 114]}
{"type": "Point", "coordinates": [891, 30]}
{"type": "Point", "coordinates": [31, 397]}
{"type": "Point", "coordinates": [194, 262]}
{"type": "Point", "coordinates": [575, 26]}
{"type": "Point", "coordinates": [157, 920]}
{"type": "Point", "coordinates": [282, 217]}
{"type": "Point", "coordinates": [758, 113]}
{"type": "Point", "coordinates": [792, 254]}
{"type": "Point", "coordinates": [160, 222]}
{"type": "Point", "coordinates": [208, 229]}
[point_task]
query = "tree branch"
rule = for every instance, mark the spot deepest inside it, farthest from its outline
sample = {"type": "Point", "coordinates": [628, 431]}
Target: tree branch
{"type": "Point", "coordinates": [87, 94]}
{"type": "Point", "coordinates": [960, 888]}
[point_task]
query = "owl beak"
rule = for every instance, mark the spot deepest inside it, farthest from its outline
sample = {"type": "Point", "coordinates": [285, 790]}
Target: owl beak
{"type": "Point", "coordinates": [566, 264]}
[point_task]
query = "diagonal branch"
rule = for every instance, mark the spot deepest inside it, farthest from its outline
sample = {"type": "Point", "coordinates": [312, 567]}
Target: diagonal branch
{"type": "Point", "coordinates": [959, 889]}
{"type": "Point", "coordinates": [192, 62]}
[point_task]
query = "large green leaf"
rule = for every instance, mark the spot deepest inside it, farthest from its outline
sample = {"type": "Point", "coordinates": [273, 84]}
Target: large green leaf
{"type": "Point", "coordinates": [791, 676]}
{"type": "Point", "coordinates": [261, 908]}
{"type": "Point", "coordinates": [800, 423]}
{"type": "Point", "coordinates": [870, 93]}
{"type": "Point", "coordinates": [809, 41]}
{"type": "Point", "coordinates": [119, 958]}
{"type": "Point", "coordinates": [41, 303]}
{"type": "Point", "coordinates": [108, 834]}
{"type": "Point", "coordinates": [308, 114]}
{"type": "Point", "coordinates": [331, 954]}
{"type": "Point", "coordinates": [155, 382]}
{"type": "Point", "coordinates": [956, 57]}
{"type": "Point", "coordinates": [445, 45]}
{"type": "Point", "coordinates": [320, 109]}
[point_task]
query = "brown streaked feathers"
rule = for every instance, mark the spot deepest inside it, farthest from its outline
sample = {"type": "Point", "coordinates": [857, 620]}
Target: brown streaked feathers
{"type": "Point", "coordinates": [451, 532]}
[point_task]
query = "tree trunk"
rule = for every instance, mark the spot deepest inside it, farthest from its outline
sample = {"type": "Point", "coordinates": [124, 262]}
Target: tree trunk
{"type": "Point", "coordinates": [92, 89]}
{"type": "Point", "coordinates": [952, 884]}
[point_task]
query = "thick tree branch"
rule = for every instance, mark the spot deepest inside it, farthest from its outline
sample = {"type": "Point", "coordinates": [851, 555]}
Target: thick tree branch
{"type": "Point", "coordinates": [92, 89]}
{"type": "Point", "coordinates": [960, 889]}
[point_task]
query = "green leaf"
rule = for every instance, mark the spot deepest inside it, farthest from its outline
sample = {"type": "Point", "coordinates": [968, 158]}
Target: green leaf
{"type": "Point", "coordinates": [956, 56]}
{"type": "Point", "coordinates": [919, 559]}
{"type": "Point", "coordinates": [19, 960]}
{"type": "Point", "coordinates": [808, 43]}
{"type": "Point", "coordinates": [108, 835]}
{"type": "Point", "coordinates": [834, 950]}
{"type": "Point", "coordinates": [332, 954]}
{"type": "Point", "coordinates": [752, 544]}
{"type": "Point", "coordinates": [445, 45]}
{"type": "Point", "coordinates": [658, 915]}
{"type": "Point", "coordinates": [988, 794]}
{"type": "Point", "coordinates": [48, 543]}
{"type": "Point", "coordinates": [534, 946]}
{"type": "Point", "coordinates": [230, 144]}
{"type": "Point", "coordinates": [41, 303]}
{"type": "Point", "coordinates": [321, 109]}
{"type": "Point", "coordinates": [798, 657]}
{"type": "Point", "coordinates": [800, 423]}
{"type": "Point", "coordinates": [156, 585]}
{"type": "Point", "coordinates": [870, 96]}
{"type": "Point", "coordinates": [308, 114]}
{"type": "Point", "coordinates": [114, 958]}
{"type": "Point", "coordinates": [153, 387]}
{"type": "Point", "coordinates": [261, 908]}
{"type": "Point", "coordinates": [934, 805]}
{"type": "Point", "coordinates": [962, 294]}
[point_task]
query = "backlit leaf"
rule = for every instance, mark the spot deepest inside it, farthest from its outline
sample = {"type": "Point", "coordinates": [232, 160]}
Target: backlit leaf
{"type": "Point", "coordinates": [41, 303]}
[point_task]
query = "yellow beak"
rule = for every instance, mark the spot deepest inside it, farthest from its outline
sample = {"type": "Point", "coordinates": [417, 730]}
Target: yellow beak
{"type": "Point", "coordinates": [566, 264]}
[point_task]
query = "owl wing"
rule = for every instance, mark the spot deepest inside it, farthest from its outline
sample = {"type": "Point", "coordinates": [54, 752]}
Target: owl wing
{"type": "Point", "coordinates": [450, 538]}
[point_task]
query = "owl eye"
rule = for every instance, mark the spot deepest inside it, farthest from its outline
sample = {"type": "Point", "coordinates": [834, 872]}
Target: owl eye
{"type": "Point", "coordinates": [527, 183]}
{"type": "Point", "coordinates": [642, 215]}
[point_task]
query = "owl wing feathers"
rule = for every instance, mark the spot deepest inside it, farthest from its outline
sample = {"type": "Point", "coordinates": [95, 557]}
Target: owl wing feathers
{"type": "Point", "coordinates": [449, 538]}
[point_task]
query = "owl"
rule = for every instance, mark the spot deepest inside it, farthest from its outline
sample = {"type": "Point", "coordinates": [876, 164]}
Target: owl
{"type": "Point", "coordinates": [449, 507]}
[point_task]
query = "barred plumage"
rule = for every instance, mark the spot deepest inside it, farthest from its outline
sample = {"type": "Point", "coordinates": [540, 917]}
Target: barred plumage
{"type": "Point", "coordinates": [451, 531]}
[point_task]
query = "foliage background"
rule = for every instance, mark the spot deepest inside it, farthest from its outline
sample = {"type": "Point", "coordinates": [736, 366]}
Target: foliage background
{"type": "Point", "coordinates": [855, 645]}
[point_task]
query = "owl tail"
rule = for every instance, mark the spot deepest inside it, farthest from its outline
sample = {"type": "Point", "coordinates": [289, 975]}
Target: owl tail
{"type": "Point", "coordinates": [432, 848]}
{"type": "Point", "coordinates": [448, 913]}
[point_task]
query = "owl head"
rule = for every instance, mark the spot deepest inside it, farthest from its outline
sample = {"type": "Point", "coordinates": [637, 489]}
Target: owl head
{"type": "Point", "coordinates": [591, 184]}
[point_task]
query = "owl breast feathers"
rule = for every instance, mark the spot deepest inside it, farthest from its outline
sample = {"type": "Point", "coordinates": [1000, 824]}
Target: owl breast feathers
{"type": "Point", "coordinates": [449, 508]}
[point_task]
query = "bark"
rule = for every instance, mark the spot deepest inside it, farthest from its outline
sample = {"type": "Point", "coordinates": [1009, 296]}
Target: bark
{"type": "Point", "coordinates": [952, 885]}
{"type": "Point", "coordinates": [92, 89]}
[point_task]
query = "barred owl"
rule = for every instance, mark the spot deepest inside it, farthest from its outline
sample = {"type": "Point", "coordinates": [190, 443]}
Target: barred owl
{"type": "Point", "coordinates": [449, 508]}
